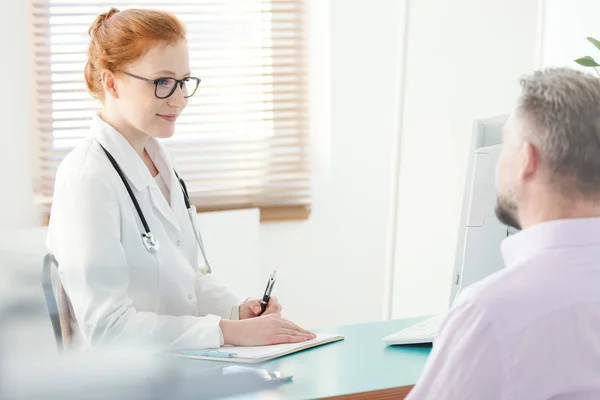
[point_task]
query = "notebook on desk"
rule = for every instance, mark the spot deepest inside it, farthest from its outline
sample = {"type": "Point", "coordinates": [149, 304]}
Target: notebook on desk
{"type": "Point", "coordinates": [256, 354]}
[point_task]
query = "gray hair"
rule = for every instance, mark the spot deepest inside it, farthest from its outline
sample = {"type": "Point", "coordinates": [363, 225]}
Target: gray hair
{"type": "Point", "coordinates": [560, 111]}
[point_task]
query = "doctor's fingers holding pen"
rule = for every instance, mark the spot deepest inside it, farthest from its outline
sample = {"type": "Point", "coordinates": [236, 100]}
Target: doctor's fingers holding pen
{"type": "Point", "coordinates": [264, 330]}
{"type": "Point", "coordinates": [251, 308]}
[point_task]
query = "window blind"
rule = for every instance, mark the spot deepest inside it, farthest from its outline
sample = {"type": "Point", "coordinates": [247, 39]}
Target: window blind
{"type": "Point", "coordinates": [241, 142]}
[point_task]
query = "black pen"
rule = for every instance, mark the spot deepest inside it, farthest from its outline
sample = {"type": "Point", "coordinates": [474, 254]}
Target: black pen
{"type": "Point", "coordinates": [267, 295]}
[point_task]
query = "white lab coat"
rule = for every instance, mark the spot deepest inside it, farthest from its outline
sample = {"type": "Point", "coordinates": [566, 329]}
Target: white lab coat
{"type": "Point", "coordinates": [120, 292]}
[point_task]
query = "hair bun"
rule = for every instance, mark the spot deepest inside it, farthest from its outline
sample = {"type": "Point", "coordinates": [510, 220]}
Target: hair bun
{"type": "Point", "coordinates": [111, 12]}
{"type": "Point", "coordinates": [100, 20]}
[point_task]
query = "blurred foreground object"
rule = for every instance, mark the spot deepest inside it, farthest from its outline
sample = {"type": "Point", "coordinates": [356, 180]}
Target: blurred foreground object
{"type": "Point", "coordinates": [108, 373]}
{"type": "Point", "coordinates": [31, 368]}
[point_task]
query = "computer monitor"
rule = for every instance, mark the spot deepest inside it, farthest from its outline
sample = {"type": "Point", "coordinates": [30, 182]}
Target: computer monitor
{"type": "Point", "coordinates": [480, 232]}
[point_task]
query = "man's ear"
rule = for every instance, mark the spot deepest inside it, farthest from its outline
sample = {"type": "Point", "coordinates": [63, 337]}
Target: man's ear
{"type": "Point", "coordinates": [109, 82]}
{"type": "Point", "coordinates": [529, 160]}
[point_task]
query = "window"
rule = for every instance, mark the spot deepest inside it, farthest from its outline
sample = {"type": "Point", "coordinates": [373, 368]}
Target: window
{"type": "Point", "coordinates": [242, 140]}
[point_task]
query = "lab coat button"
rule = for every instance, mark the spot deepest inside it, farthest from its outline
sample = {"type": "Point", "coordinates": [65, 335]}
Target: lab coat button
{"type": "Point", "coordinates": [190, 297]}
{"type": "Point", "coordinates": [178, 242]}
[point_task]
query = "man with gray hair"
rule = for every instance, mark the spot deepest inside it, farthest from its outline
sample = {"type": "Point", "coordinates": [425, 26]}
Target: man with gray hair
{"type": "Point", "coordinates": [532, 330]}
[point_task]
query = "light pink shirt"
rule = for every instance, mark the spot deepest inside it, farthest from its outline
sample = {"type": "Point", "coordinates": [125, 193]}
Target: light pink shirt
{"type": "Point", "coordinates": [530, 331]}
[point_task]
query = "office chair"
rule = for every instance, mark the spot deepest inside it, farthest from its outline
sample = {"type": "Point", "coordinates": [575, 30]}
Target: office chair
{"type": "Point", "coordinates": [61, 311]}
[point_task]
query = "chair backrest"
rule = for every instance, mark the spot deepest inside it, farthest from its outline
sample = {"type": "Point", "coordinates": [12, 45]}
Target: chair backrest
{"type": "Point", "coordinates": [60, 309]}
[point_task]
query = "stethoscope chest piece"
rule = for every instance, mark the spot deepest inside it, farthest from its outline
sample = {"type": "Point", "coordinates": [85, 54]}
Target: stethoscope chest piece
{"type": "Point", "coordinates": [150, 242]}
{"type": "Point", "coordinates": [148, 239]}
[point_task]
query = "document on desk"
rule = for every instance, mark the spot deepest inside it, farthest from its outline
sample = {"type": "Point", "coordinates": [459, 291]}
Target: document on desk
{"type": "Point", "coordinates": [256, 354]}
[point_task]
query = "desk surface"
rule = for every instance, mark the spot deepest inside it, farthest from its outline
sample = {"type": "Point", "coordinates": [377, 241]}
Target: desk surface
{"type": "Point", "coordinates": [361, 363]}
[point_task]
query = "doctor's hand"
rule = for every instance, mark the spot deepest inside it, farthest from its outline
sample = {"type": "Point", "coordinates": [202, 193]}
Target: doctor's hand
{"type": "Point", "coordinates": [251, 308]}
{"type": "Point", "coordinates": [263, 330]}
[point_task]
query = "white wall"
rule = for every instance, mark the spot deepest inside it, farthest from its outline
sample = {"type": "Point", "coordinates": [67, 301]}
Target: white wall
{"type": "Point", "coordinates": [566, 25]}
{"type": "Point", "coordinates": [332, 267]}
{"type": "Point", "coordinates": [464, 60]}
{"type": "Point", "coordinates": [232, 243]}
{"type": "Point", "coordinates": [16, 112]}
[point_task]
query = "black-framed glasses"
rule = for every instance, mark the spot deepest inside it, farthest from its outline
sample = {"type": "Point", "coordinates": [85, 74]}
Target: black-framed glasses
{"type": "Point", "coordinates": [165, 87]}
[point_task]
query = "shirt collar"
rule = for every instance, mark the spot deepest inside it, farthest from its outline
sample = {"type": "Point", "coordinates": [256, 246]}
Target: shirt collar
{"type": "Point", "coordinates": [165, 167]}
{"type": "Point", "coordinates": [555, 234]}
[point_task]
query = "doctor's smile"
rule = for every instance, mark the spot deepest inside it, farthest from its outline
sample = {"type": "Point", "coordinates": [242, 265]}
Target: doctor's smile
{"type": "Point", "coordinates": [168, 117]}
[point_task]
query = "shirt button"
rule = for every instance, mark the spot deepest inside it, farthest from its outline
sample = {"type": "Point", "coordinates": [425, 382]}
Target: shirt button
{"type": "Point", "coordinates": [178, 242]}
{"type": "Point", "coordinates": [190, 297]}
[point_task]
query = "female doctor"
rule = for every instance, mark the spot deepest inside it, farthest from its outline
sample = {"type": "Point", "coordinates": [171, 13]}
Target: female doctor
{"type": "Point", "coordinates": [136, 275]}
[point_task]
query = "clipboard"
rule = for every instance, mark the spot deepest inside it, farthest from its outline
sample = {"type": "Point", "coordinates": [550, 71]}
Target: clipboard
{"type": "Point", "coordinates": [256, 354]}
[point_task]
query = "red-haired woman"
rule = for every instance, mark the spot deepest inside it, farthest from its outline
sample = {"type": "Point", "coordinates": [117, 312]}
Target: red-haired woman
{"type": "Point", "coordinates": [121, 227]}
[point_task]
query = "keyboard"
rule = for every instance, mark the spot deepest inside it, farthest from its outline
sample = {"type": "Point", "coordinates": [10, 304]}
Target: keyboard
{"type": "Point", "coordinates": [422, 332]}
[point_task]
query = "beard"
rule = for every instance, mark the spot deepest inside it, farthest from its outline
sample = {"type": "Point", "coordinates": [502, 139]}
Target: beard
{"type": "Point", "coordinates": [506, 212]}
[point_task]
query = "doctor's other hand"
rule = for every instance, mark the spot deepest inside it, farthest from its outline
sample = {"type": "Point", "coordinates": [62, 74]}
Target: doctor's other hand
{"type": "Point", "coordinates": [251, 308]}
{"type": "Point", "coordinates": [263, 330]}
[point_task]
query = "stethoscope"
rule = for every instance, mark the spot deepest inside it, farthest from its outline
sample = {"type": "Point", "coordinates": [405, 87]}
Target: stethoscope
{"type": "Point", "coordinates": [148, 239]}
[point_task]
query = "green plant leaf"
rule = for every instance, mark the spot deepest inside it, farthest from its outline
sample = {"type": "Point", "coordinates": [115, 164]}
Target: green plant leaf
{"type": "Point", "coordinates": [594, 42]}
{"type": "Point", "coordinates": [587, 61]}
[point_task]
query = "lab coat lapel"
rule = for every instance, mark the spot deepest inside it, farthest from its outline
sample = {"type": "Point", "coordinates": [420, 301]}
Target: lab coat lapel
{"type": "Point", "coordinates": [133, 166]}
{"type": "Point", "coordinates": [124, 154]}
{"type": "Point", "coordinates": [176, 213]}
